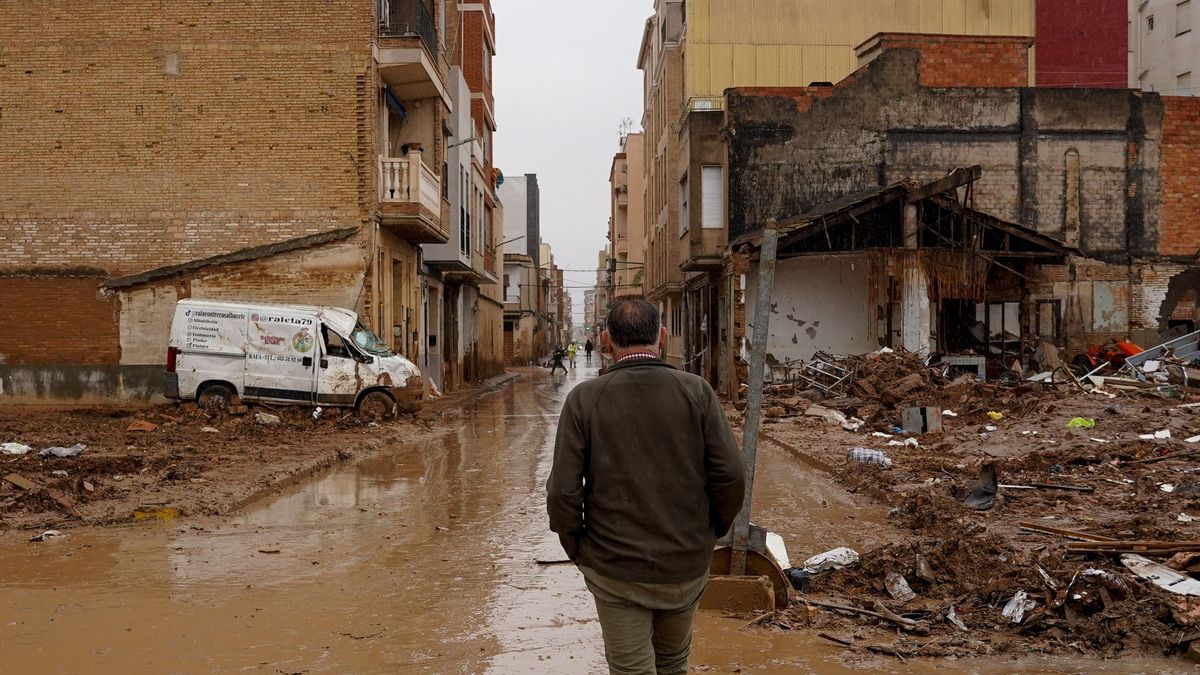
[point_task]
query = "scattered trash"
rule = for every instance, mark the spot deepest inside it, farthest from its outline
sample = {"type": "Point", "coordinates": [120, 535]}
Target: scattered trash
{"type": "Point", "coordinates": [799, 579]}
{"type": "Point", "coordinates": [1017, 606]}
{"type": "Point", "coordinates": [880, 434]}
{"type": "Point", "coordinates": [1158, 435]}
{"type": "Point", "coordinates": [853, 424]}
{"type": "Point", "coordinates": [14, 448]}
{"type": "Point", "coordinates": [834, 559]}
{"type": "Point", "coordinates": [316, 414]}
{"type": "Point", "coordinates": [898, 587]}
{"type": "Point", "coordinates": [1167, 487]}
{"type": "Point", "coordinates": [1081, 423]}
{"type": "Point", "coordinates": [778, 550]}
{"type": "Point", "coordinates": [1160, 575]}
{"type": "Point", "coordinates": [995, 416]}
{"type": "Point", "coordinates": [909, 442]}
{"type": "Point", "coordinates": [924, 570]}
{"type": "Point", "coordinates": [87, 485]}
{"type": "Point", "coordinates": [921, 420]}
{"type": "Point", "coordinates": [1193, 439]}
{"type": "Point", "coordinates": [982, 493]}
{"type": "Point", "coordinates": [210, 430]}
{"type": "Point", "coordinates": [59, 472]}
{"type": "Point", "coordinates": [1098, 440]}
{"type": "Point", "coordinates": [954, 620]}
{"type": "Point", "coordinates": [166, 513]}
{"type": "Point", "coordinates": [826, 413]}
{"type": "Point", "coordinates": [64, 452]}
{"type": "Point", "coordinates": [1184, 518]}
{"type": "Point", "coordinates": [990, 428]}
{"type": "Point", "coordinates": [140, 425]}
{"type": "Point", "coordinates": [266, 418]}
{"type": "Point", "coordinates": [869, 456]}
{"type": "Point", "coordinates": [949, 413]}
{"type": "Point", "coordinates": [48, 534]}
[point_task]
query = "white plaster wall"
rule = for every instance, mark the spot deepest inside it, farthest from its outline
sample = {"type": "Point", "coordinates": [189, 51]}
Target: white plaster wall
{"type": "Point", "coordinates": [146, 324]}
{"type": "Point", "coordinates": [513, 195]}
{"type": "Point", "coordinates": [819, 304]}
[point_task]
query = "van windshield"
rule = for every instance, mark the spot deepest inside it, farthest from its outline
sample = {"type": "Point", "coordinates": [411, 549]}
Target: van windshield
{"type": "Point", "coordinates": [364, 339]}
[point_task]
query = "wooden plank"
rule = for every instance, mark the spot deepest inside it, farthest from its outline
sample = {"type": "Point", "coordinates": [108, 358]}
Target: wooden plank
{"type": "Point", "coordinates": [22, 482]}
{"type": "Point", "coordinates": [957, 178]}
{"type": "Point", "coordinates": [1070, 534]}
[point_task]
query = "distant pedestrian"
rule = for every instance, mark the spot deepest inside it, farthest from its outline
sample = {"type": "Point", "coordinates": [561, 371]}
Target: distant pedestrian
{"type": "Point", "coordinates": [572, 349]}
{"type": "Point", "coordinates": [646, 477]}
{"type": "Point", "coordinates": [587, 349]}
{"type": "Point", "coordinates": [556, 360]}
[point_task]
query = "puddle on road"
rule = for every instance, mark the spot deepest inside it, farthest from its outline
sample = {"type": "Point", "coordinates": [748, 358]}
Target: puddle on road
{"type": "Point", "coordinates": [419, 559]}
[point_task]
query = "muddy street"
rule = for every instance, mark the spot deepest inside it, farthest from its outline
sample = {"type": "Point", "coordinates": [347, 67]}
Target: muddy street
{"type": "Point", "coordinates": [421, 558]}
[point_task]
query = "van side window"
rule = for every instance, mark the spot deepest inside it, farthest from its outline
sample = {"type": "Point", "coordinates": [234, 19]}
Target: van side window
{"type": "Point", "coordinates": [334, 345]}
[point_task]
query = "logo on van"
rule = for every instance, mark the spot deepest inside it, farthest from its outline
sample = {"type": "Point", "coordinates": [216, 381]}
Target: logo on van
{"type": "Point", "coordinates": [272, 339]}
{"type": "Point", "coordinates": [302, 341]}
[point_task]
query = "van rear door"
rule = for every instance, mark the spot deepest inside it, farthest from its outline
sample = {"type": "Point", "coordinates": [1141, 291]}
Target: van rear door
{"type": "Point", "coordinates": [281, 351]}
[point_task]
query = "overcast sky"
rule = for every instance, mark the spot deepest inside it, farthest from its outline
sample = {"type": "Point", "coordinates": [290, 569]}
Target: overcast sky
{"type": "Point", "coordinates": [565, 76]}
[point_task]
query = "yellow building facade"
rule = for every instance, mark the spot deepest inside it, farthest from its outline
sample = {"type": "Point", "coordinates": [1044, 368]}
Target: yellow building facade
{"type": "Point", "coordinates": [768, 43]}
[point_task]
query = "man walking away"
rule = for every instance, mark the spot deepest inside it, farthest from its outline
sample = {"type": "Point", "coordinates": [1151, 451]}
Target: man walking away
{"type": "Point", "coordinates": [646, 477]}
{"type": "Point", "coordinates": [587, 349]}
{"type": "Point", "coordinates": [572, 349]}
{"type": "Point", "coordinates": [556, 360]}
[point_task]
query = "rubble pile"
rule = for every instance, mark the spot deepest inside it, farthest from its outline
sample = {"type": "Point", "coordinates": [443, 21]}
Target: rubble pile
{"type": "Point", "coordinates": [1057, 517]}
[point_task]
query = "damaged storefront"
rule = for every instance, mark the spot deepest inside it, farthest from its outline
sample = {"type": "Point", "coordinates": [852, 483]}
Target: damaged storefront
{"type": "Point", "coordinates": [915, 267]}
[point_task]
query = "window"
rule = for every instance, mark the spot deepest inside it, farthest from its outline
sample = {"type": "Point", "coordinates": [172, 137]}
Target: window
{"type": "Point", "coordinates": [1183, 84]}
{"type": "Point", "coordinates": [1149, 23]}
{"type": "Point", "coordinates": [334, 345]}
{"type": "Point", "coordinates": [684, 216]}
{"type": "Point", "coordinates": [1183, 19]}
{"type": "Point", "coordinates": [711, 198]}
{"type": "Point", "coordinates": [487, 62]}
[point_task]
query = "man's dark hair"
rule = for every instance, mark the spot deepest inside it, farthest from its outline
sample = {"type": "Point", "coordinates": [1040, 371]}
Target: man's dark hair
{"type": "Point", "coordinates": [633, 322]}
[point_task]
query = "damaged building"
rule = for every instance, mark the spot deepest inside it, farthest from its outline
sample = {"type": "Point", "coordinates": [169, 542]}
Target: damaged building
{"type": "Point", "coordinates": [934, 202]}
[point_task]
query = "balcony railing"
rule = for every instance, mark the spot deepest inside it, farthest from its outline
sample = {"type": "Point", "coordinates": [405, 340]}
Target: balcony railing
{"type": "Point", "coordinates": [408, 180]}
{"type": "Point", "coordinates": [408, 18]}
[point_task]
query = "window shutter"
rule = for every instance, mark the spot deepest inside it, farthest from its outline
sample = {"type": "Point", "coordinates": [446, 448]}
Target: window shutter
{"type": "Point", "coordinates": [711, 196]}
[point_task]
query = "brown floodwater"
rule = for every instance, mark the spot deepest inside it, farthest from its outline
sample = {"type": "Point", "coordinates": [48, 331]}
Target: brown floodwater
{"type": "Point", "coordinates": [423, 558]}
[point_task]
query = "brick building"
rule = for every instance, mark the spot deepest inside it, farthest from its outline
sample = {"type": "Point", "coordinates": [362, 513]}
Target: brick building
{"type": "Point", "coordinates": [1081, 209]}
{"type": "Point", "coordinates": [626, 223]}
{"type": "Point", "coordinates": [1083, 43]}
{"type": "Point", "coordinates": [278, 154]}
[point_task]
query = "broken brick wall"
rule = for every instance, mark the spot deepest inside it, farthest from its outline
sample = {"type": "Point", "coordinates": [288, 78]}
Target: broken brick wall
{"type": "Point", "coordinates": [1079, 165]}
{"type": "Point", "coordinates": [1181, 177]}
{"type": "Point", "coordinates": [959, 60]}
{"type": "Point", "coordinates": [138, 134]}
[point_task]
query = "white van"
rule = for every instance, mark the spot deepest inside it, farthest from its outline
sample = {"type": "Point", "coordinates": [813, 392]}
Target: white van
{"type": "Point", "coordinates": [285, 354]}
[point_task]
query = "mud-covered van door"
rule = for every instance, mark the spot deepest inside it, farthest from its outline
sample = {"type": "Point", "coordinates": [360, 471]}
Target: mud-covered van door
{"type": "Point", "coordinates": [338, 378]}
{"type": "Point", "coordinates": [281, 355]}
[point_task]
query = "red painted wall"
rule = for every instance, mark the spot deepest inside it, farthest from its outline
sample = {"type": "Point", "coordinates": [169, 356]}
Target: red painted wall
{"type": "Point", "coordinates": [1083, 43]}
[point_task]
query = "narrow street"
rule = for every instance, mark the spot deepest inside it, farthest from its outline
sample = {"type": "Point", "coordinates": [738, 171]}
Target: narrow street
{"type": "Point", "coordinates": [422, 558]}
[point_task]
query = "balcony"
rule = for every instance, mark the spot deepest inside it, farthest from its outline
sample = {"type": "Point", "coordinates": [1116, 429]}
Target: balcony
{"type": "Point", "coordinates": [407, 51]}
{"type": "Point", "coordinates": [410, 199]}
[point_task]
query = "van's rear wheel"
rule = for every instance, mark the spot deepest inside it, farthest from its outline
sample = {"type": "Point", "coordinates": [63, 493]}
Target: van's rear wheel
{"type": "Point", "coordinates": [377, 405]}
{"type": "Point", "coordinates": [216, 398]}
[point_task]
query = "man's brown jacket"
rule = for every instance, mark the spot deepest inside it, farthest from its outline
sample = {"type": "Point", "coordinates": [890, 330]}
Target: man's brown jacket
{"type": "Point", "coordinates": [646, 474]}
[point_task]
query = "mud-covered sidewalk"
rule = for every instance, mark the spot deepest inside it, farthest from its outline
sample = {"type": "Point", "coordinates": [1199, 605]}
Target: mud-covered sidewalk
{"type": "Point", "coordinates": [1021, 572]}
{"type": "Point", "coordinates": [175, 460]}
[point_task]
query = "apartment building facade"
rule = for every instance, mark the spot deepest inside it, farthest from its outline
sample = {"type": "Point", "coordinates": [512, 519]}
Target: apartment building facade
{"type": "Point", "coordinates": [626, 224]}
{"type": "Point", "coordinates": [525, 320]}
{"type": "Point", "coordinates": [1164, 48]}
{"type": "Point", "coordinates": [690, 54]}
{"type": "Point", "coordinates": [280, 154]}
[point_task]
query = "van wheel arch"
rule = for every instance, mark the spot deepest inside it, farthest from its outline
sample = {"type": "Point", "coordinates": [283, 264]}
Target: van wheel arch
{"type": "Point", "coordinates": [216, 395]}
{"type": "Point", "coordinates": [376, 403]}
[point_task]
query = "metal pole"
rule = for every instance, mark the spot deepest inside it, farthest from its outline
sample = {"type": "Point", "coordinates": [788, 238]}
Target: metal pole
{"type": "Point", "coordinates": [753, 419]}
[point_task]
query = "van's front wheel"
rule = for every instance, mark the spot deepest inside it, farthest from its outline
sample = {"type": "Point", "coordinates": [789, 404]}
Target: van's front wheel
{"type": "Point", "coordinates": [215, 398]}
{"type": "Point", "coordinates": [377, 405]}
